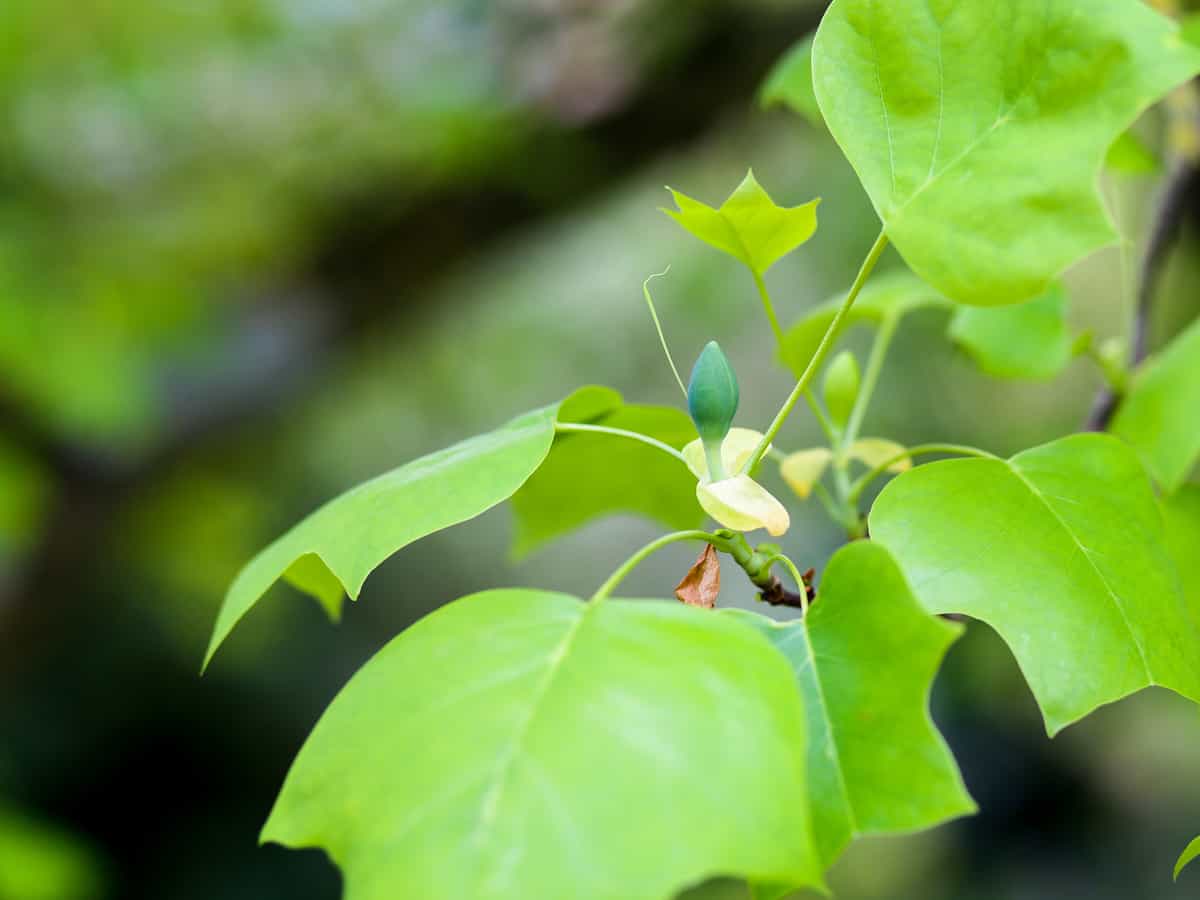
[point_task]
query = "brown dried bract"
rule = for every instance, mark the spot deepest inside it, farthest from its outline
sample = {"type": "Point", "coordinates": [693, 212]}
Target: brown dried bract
{"type": "Point", "coordinates": [702, 583]}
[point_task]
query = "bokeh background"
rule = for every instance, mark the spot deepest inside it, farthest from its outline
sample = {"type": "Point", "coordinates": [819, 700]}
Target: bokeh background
{"type": "Point", "coordinates": [255, 251]}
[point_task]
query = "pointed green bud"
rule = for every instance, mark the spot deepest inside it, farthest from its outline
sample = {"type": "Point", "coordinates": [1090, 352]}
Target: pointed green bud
{"type": "Point", "coordinates": [841, 387]}
{"type": "Point", "coordinates": [713, 402]}
{"type": "Point", "coordinates": [713, 394]}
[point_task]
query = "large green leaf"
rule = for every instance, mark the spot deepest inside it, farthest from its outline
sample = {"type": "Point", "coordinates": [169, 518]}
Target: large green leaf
{"type": "Point", "coordinates": [749, 226]}
{"type": "Point", "coordinates": [865, 660]}
{"type": "Point", "coordinates": [1182, 513]}
{"type": "Point", "coordinates": [1029, 340]}
{"type": "Point", "coordinates": [891, 295]}
{"type": "Point", "coordinates": [979, 128]}
{"type": "Point", "coordinates": [1159, 417]}
{"type": "Point", "coordinates": [1062, 550]}
{"type": "Point", "coordinates": [338, 546]}
{"type": "Point", "coordinates": [521, 744]}
{"type": "Point", "coordinates": [588, 475]}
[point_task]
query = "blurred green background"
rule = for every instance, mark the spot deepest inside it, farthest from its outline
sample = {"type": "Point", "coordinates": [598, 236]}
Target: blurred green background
{"type": "Point", "coordinates": [254, 251]}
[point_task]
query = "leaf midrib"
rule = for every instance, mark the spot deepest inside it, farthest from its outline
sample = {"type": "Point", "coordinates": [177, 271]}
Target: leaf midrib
{"type": "Point", "coordinates": [494, 794]}
{"type": "Point", "coordinates": [852, 815]}
{"type": "Point", "coordinates": [1003, 117]}
{"type": "Point", "coordinates": [1083, 551]}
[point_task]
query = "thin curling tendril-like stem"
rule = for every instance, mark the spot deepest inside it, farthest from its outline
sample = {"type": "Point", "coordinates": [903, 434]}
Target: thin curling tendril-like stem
{"type": "Point", "coordinates": [583, 428]}
{"type": "Point", "coordinates": [821, 353]}
{"type": "Point", "coordinates": [794, 571]}
{"type": "Point", "coordinates": [623, 571]}
{"type": "Point", "coordinates": [662, 338]}
{"type": "Point", "coordinates": [768, 306]}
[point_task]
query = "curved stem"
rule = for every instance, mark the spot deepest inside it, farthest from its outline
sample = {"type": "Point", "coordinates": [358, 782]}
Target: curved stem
{"type": "Point", "coordinates": [822, 351]}
{"type": "Point", "coordinates": [879, 351]}
{"type": "Point", "coordinates": [768, 306]}
{"type": "Point", "coordinates": [801, 587]}
{"type": "Point", "coordinates": [622, 572]}
{"type": "Point", "coordinates": [573, 427]}
{"type": "Point", "coordinates": [662, 338]}
{"type": "Point", "coordinates": [922, 450]}
{"type": "Point", "coordinates": [823, 420]}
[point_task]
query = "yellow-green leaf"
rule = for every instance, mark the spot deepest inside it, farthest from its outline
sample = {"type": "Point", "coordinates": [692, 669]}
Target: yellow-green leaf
{"type": "Point", "coordinates": [339, 545]}
{"type": "Point", "coordinates": [1159, 417]}
{"type": "Point", "coordinates": [865, 658]}
{"type": "Point", "coordinates": [978, 128]}
{"type": "Point", "coordinates": [749, 226]}
{"type": "Point", "coordinates": [520, 745]}
{"type": "Point", "coordinates": [1063, 551]}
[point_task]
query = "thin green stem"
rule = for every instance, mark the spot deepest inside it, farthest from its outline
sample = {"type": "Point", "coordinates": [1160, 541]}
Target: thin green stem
{"type": "Point", "coordinates": [922, 450]}
{"type": "Point", "coordinates": [622, 572]}
{"type": "Point", "coordinates": [822, 417]}
{"type": "Point", "coordinates": [573, 427]}
{"type": "Point", "coordinates": [831, 506]}
{"type": "Point", "coordinates": [822, 351]}
{"type": "Point", "coordinates": [801, 587]}
{"type": "Point", "coordinates": [870, 380]}
{"type": "Point", "coordinates": [662, 339]}
{"type": "Point", "coordinates": [826, 423]}
{"type": "Point", "coordinates": [768, 306]}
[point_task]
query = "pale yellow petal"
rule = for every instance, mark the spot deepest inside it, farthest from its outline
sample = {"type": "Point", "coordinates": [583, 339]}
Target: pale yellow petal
{"type": "Point", "coordinates": [804, 469]}
{"type": "Point", "coordinates": [742, 504]}
{"type": "Point", "coordinates": [737, 447]}
{"type": "Point", "coordinates": [693, 455]}
{"type": "Point", "coordinates": [874, 452]}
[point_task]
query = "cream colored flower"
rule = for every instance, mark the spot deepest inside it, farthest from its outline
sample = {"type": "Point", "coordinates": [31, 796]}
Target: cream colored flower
{"type": "Point", "coordinates": [737, 502]}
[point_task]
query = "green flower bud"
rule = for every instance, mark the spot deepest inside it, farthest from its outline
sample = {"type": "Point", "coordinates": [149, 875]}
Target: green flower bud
{"type": "Point", "coordinates": [841, 387]}
{"type": "Point", "coordinates": [713, 395]}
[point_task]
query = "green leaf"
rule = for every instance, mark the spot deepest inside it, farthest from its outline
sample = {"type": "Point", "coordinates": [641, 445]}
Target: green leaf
{"type": "Point", "coordinates": [1189, 28]}
{"type": "Point", "coordinates": [893, 294]}
{"type": "Point", "coordinates": [748, 226]}
{"type": "Point", "coordinates": [1031, 340]}
{"type": "Point", "coordinates": [1182, 513]}
{"type": "Point", "coordinates": [520, 744]}
{"type": "Point", "coordinates": [1158, 418]}
{"type": "Point", "coordinates": [790, 83]}
{"type": "Point", "coordinates": [1130, 155]}
{"type": "Point", "coordinates": [1062, 550]}
{"type": "Point", "coordinates": [339, 545]}
{"type": "Point", "coordinates": [590, 475]}
{"type": "Point", "coordinates": [1192, 852]}
{"type": "Point", "coordinates": [979, 128]}
{"type": "Point", "coordinates": [38, 862]}
{"type": "Point", "coordinates": [865, 662]}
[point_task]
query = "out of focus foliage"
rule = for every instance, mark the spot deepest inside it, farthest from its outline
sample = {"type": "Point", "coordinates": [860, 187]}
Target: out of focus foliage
{"type": "Point", "coordinates": [438, 213]}
{"type": "Point", "coordinates": [38, 862]}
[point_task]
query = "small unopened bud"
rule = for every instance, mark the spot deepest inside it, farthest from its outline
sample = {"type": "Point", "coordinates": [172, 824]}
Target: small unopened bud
{"type": "Point", "coordinates": [713, 402]}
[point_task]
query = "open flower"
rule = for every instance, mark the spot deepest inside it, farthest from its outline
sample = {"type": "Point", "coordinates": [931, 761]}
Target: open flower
{"type": "Point", "coordinates": [737, 502]}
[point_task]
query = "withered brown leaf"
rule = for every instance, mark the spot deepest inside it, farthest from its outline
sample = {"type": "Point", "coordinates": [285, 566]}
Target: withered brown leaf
{"type": "Point", "coordinates": [701, 585]}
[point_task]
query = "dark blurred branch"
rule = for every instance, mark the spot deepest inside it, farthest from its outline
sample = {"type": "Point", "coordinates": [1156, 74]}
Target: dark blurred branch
{"type": "Point", "coordinates": [1177, 200]}
{"type": "Point", "coordinates": [775, 594]}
